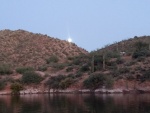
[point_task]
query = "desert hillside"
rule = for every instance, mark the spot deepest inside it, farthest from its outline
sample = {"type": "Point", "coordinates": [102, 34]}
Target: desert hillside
{"type": "Point", "coordinates": [35, 61]}
{"type": "Point", "coordinates": [23, 48]}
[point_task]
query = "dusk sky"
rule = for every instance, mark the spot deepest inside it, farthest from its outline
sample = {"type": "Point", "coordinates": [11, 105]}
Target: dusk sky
{"type": "Point", "coordinates": [91, 24]}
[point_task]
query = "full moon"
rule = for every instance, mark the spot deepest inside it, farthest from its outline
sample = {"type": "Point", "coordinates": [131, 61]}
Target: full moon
{"type": "Point", "coordinates": [69, 40]}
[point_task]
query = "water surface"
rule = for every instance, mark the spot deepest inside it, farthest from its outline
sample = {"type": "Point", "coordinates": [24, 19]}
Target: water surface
{"type": "Point", "coordinates": [75, 103]}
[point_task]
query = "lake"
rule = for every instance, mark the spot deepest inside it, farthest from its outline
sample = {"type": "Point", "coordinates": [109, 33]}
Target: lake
{"type": "Point", "coordinates": [75, 103]}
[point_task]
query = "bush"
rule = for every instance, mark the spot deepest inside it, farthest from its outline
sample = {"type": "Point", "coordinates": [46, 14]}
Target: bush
{"type": "Point", "coordinates": [84, 68]}
{"type": "Point", "coordinates": [146, 76]}
{"type": "Point", "coordinates": [119, 61]}
{"type": "Point", "coordinates": [42, 68]}
{"type": "Point", "coordinates": [109, 81]}
{"type": "Point", "coordinates": [124, 70]}
{"type": "Point", "coordinates": [94, 81]}
{"type": "Point", "coordinates": [78, 74]}
{"type": "Point", "coordinates": [16, 88]}
{"type": "Point", "coordinates": [58, 66]}
{"type": "Point", "coordinates": [52, 59]}
{"type": "Point", "coordinates": [66, 83]}
{"type": "Point", "coordinates": [22, 70]}
{"type": "Point", "coordinates": [141, 46]}
{"type": "Point", "coordinates": [140, 59]}
{"type": "Point", "coordinates": [60, 81]}
{"type": "Point", "coordinates": [76, 61]}
{"type": "Point", "coordinates": [5, 69]}
{"type": "Point", "coordinates": [31, 77]}
{"type": "Point", "coordinates": [2, 84]}
{"type": "Point", "coordinates": [54, 81]}
{"type": "Point", "coordinates": [141, 53]}
{"type": "Point", "coordinates": [69, 69]}
{"type": "Point", "coordinates": [98, 80]}
{"type": "Point", "coordinates": [112, 54]}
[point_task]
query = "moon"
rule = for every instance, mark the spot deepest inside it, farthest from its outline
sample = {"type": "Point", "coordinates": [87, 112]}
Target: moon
{"type": "Point", "coordinates": [69, 40]}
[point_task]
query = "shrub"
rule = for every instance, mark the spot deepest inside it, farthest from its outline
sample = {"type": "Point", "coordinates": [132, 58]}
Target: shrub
{"type": "Point", "coordinates": [130, 63]}
{"type": "Point", "coordinates": [109, 81]}
{"type": "Point", "coordinates": [141, 46]}
{"type": "Point", "coordinates": [78, 74]}
{"type": "Point", "coordinates": [31, 77]}
{"type": "Point", "coordinates": [69, 69]}
{"type": "Point", "coordinates": [5, 69]}
{"type": "Point", "coordinates": [16, 88]}
{"type": "Point", "coordinates": [71, 76]}
{"type": "Point", "coordinates": [42, 68]}
{"type": "Point", "coordinates": [119, 61]}
{"type": "Point", "coordinates": [2, 84]}
{"type": "Point", "coordinates": [112, 54]}
{"type": "Point", "coordinates": [124, 70]}
{"type": "Point", "coordinates": [58, 66]}
{"type": "Point", "coordinates": [94, 81]}
{"type": "Point", "coordinates": [141, 53]}
{"type": "Point", "coordinates": [76, 61]}
{"type": "Point", "coordinates": [70, 58]}
{"type": "Point", "coordinates": [60, 81]}
{"type": "Point", "coordinates": [140, 59]}
{"type": "Point", "coordinates": [22, 70]}
{"type": "Point", "coordinates": [54, 81]}
{"type": "Point", "coordinates": [98, 80]}
{"type": "Point", "coordinates": [52, 59]}
{"type": "Point", "coordinates": [84, 68]}
{"type": "Point", "coordinates": [66, 83]}
{"type": "Point", "coordinates": [146, 76]}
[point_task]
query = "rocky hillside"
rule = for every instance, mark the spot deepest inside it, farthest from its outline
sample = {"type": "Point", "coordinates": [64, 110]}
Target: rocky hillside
{"type": "Point", "coordinates": [59, 65]}
{"type": "Point", "coordinates": [127, 45]}
{"type": "Point", "coordinates": [23, 48]}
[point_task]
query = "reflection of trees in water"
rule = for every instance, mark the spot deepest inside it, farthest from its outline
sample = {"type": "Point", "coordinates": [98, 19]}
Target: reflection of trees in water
{"type": "Point", "coordinates": [66, 103]}
{"type": "Point", "coordinates": [118, 103]}
{"type": "Point", "coordinates": [5, 103]}
{"type": "Point", "coordinates": [99, 104]}
{"type": "Point", "coordinates": [31, 103]}
{"type": "Point", "coordinates": [70, 103]}
{"type": "Point", "coordinates": [133, 103]}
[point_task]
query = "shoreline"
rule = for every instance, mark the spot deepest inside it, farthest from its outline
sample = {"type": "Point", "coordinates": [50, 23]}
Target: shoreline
{"type": "Point", "coordinates": [79, 91]}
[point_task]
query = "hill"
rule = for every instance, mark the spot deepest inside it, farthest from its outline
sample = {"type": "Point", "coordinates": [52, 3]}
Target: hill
{"type": "Point", "coordinates": [23, 48]}
{"type": "Point", "coordinates": [42, 63]}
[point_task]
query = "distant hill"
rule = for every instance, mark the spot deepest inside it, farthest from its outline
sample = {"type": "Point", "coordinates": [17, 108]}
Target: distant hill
{"type": "Point", "coordinates": [127, 45]}
{"type": "Point", "coordinates": [23, 48]}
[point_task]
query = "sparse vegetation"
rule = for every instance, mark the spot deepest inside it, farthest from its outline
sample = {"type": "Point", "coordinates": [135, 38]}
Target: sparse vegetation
{"type": "Point", "coordinates": [58, 66]}
{"type": "Point", "coordinates": [124, 70]}
{"type": "Point", "coordinates": [42, 68]}
{"type": "Point", "coordinates": [52, 59]}
{"type": "Point", "coordinates": [22, 70]}
{"type": "Point", "coordinates": [5, 69]}
{"type": "Point", "coordinates": [126, 60]}
{"type": "Point", "coordinates": [69, 69]}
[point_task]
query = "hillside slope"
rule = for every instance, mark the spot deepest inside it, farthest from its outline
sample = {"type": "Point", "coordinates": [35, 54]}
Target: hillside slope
{"type": "Point", "coordinates": [23, 48]}
{"type": "Point", "coordinates": [123, 65]}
